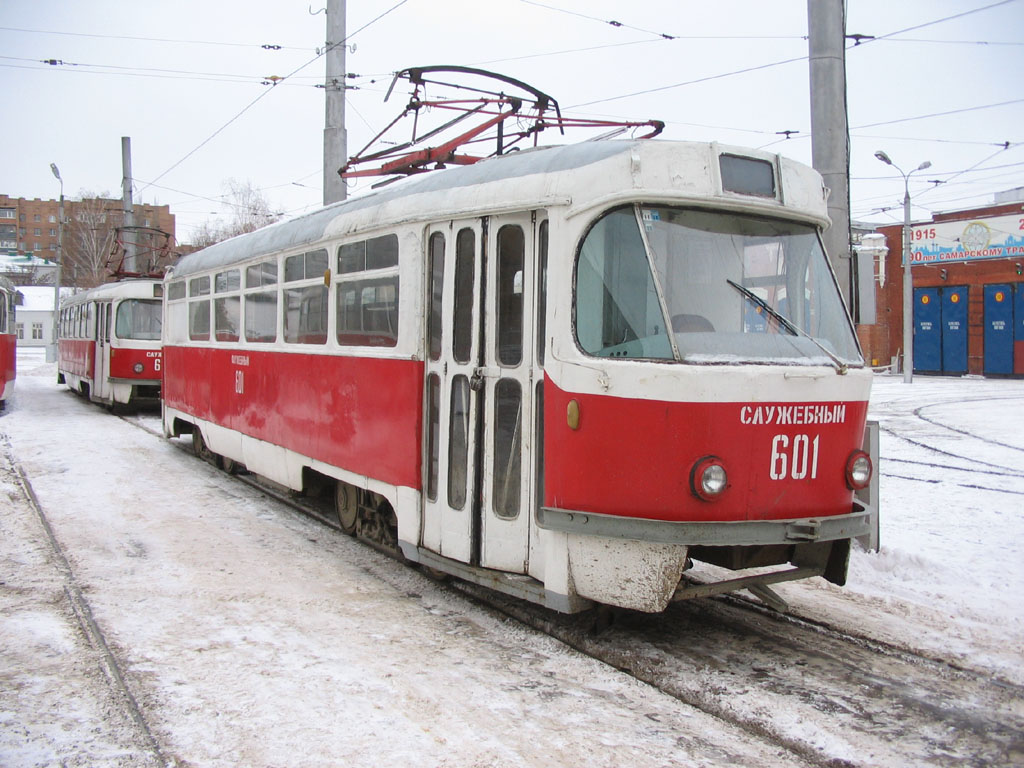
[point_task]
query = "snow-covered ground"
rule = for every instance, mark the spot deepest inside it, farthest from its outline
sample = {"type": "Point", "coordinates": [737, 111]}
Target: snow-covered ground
{"type": "Point", "coordinates": [250, 636]}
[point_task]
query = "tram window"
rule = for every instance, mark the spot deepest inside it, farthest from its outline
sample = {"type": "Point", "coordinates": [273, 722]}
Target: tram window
{"type": "Point", "coordinates": [508, 408]}
{"type": "Point", "coordinates": [227, 281]}
{"type": "Point", "coordinates": [375, 253]}
{"type": "Point", "coordinates": [199, 320]}
{"type": "Point", "coordinates": [747, 175]}
{"type": "Point", "coordinates": [305, 266]}
{"type": "Point", "coordinates": [137, 319]}
{"type": "Point", "coordinates": [436, 294]}
{"type": "Point", "coordinates": [458, 443]}
{"type": "Point", "coordinates": [199, 286]}
{"type": "Point", "coordinates": [368, 312]}
{"type": "Point", "coordinates": [618, 313]}
{"type": "Point", "coordinates": [261, 317]}
{"type": "Point", "coordinates": [261, 274]}
{"type": "Point", "coordinates": [227, 318]}
{"type": "Point", "coordinates": [433, 429]}
{"type": "Point", "coordinates": [382, 252]}
{"type": "Point", "coordinates": [542, 289]}
{"type": "Point", "coordinates": [176, 290]}
{"type": "Point", "coordinates": [305, 315]}
{"type": "Point", "coordinates": [511, 244]}
{"type": "Point", "coordinates": [465, 265]}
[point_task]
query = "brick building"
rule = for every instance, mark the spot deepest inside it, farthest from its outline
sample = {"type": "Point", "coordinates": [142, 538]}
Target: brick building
{"type": "Point", "coordinates": [968, 299]}
{"type": "Point", "coordinates": [30, 227]}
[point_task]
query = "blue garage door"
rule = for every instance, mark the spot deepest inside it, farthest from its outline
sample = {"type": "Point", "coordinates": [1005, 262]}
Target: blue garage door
{"type": "Point", "coordinates": [998, 329]}
{"type": "Point", "coordinates": [1018, 329]}
{"type": "Point", "coordinates": [927, 330]}
{"type": "Point", "coordinates": [954, 329]}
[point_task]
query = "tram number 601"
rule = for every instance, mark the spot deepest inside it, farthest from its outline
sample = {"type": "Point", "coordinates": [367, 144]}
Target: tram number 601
{"type": "Point", "coordinates": [797, 462]}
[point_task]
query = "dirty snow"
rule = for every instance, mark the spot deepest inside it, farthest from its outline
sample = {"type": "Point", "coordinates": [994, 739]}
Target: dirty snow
{"type": "Point", "coordinates": [250, 636]}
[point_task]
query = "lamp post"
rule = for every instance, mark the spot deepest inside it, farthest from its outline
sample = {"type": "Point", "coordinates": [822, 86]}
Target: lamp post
{"type": "Point", "coordinates": [52, 350]}
{"type": "Point", "coordinates": [908, 283]}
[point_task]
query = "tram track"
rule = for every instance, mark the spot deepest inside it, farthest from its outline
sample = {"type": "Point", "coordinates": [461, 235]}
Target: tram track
{"type": "Point", "coordinates": [108, 661]}
{"type": "Point", "coordinates": [960, 469]}
{"type": "Point", "coordinates": [817, 691]}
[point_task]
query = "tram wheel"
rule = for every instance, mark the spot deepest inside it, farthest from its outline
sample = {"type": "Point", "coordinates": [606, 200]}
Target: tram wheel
{"type": "Point", "coordinates": [202, 450]}
{"type": "Point", "coordinates": [347, 507]}
{"type": "Point", "coordinates": [230, 466]}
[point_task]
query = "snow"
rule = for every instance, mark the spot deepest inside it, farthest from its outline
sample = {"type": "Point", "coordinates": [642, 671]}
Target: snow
{"type": "Point", "coordinates": [251, 636]}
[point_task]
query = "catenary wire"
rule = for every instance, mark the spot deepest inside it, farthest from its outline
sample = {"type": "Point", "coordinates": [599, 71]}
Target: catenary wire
{"type": "Point", "coordinates": [252, 103]}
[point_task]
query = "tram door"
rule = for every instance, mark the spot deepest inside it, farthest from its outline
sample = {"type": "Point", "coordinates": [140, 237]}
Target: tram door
{"type": "Point", "coordinates": [508, 375]}
{"type": "Point", "coordinates": [479, 407]}
{"type": "Point", "coordinates": [451, 413]}
{"type": "Point", "coordinates": [101, 386]}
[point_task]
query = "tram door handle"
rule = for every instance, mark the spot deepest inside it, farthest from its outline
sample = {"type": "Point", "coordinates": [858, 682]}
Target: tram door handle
{"type": "Point", "coordinates": [476, 383]}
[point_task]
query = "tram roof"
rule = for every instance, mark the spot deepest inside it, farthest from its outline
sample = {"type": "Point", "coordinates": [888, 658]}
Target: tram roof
{"type": "Point", "coordinates": [124, 289]}
{"type": "Point", "coordinates": [538, 173]}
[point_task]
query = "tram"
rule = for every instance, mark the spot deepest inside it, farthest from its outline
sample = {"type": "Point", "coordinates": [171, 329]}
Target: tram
{"type": "Point", "coordinates": [8, 339]}
{"type": "Point", "coordinates": [566, 373]}
{"type": "Point", "coordinates": [109, 343]}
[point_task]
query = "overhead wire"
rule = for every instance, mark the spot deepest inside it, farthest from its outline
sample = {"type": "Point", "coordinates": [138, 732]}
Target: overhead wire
{"type": "Point", "coordinates": [265, 46]}
{"type": "Point", "coordinates": [252, 103]}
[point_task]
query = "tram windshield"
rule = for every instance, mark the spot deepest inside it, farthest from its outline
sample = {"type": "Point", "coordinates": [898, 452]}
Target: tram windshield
{"type": "Point", "coordinates": [709, 287]}
{"type": "Point", "coordinates": [138, 319]}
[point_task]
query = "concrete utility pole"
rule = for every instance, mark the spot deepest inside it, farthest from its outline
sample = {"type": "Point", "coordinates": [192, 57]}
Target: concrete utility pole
{"type": "Point", "coordinates": [51, 349]}
{"type": "Point", "coordinates": [129, 209]}
{"type": "Point", "coordinates": [335, 138]}
{"type": "Point", "coordinates": [830, 142]}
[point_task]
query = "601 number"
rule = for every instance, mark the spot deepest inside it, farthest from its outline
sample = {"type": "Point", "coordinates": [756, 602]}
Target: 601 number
{"type": "Point", "coordinates": [794, 459]}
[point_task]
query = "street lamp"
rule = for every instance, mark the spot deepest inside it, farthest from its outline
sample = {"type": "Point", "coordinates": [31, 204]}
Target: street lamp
{"type": "Point", "coordinates": [908, 284]}
{"type": "Point", "coordinates": [52, 350]}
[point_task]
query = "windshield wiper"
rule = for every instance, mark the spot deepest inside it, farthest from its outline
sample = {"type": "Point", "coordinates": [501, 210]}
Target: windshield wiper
{"type": "Point", "coordinates": [841, 367]}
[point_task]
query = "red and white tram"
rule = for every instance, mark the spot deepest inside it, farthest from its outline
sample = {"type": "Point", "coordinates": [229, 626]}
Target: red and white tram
{"type": "Point", "coordinates": [8, 339]}
{"type": "Point", "coordinates": [109, 347]}
{"type": "Point", "coordinates": [563, 372]}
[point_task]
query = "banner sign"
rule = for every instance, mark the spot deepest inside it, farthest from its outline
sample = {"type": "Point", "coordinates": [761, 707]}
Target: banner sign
{"type": "Point", "coordinates": [997, 237]}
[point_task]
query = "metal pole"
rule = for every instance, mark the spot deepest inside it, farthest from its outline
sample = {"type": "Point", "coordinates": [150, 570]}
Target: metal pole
{"type": "Point", "coordinates": [129, 209]}
{"type": "Point", "coordinates": [830, 143]}
{"type": "Point", "coordinates": [908, 281]}
{"type": "Point", "coordinates": [51, 350]}
{"type": "Point", "coordinates": [335, 137]}
{"type": "Point", "coordinates": [908, 290]}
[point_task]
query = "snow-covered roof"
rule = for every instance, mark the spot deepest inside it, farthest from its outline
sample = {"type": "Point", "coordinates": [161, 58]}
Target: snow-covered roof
{"type": "Point", "coordinates": [39, 298]}
{"type": "Point", "coordinates": [590, 173]}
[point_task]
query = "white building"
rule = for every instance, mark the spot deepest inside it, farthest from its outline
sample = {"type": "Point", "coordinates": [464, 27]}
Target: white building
{"type": "Point", "coordinates": [34, 316]}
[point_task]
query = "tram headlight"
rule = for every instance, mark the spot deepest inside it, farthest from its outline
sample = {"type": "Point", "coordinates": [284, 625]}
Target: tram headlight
{"type": "Point", "coordinates": [858, 470]}
{"type": "Point", "coordinates": [708, 478]}
{"type": "Point", "coordinates": [138, 368]}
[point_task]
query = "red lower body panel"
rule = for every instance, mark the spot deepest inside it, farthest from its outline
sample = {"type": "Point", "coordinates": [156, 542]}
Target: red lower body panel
{"type": "Point", "coordinates": [634, 458]}
{"type": "Point", "coordinates": [360, 414]}
{"type": "Point", "coordinates": [77, 357]}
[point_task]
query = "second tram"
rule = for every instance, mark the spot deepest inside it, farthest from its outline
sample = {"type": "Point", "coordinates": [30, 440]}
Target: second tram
{"type": "Point", "coordinates": [109, 347]}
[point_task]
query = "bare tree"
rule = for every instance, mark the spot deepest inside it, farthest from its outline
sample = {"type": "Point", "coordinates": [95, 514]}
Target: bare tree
{"type": "Point", "coordinates": [89, 238]}
{"type": "Point", "coordinates": [250, 210]}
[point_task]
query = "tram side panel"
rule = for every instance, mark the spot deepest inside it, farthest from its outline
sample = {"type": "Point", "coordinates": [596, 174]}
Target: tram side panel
{"type": "Point", "coordinates": [358, 414]}
{"type": "Point", "coordinates": [77, 361]}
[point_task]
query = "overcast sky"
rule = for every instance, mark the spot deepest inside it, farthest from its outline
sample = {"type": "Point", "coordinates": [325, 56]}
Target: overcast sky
{"type": "Point", "coordinates": [943, 83]}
